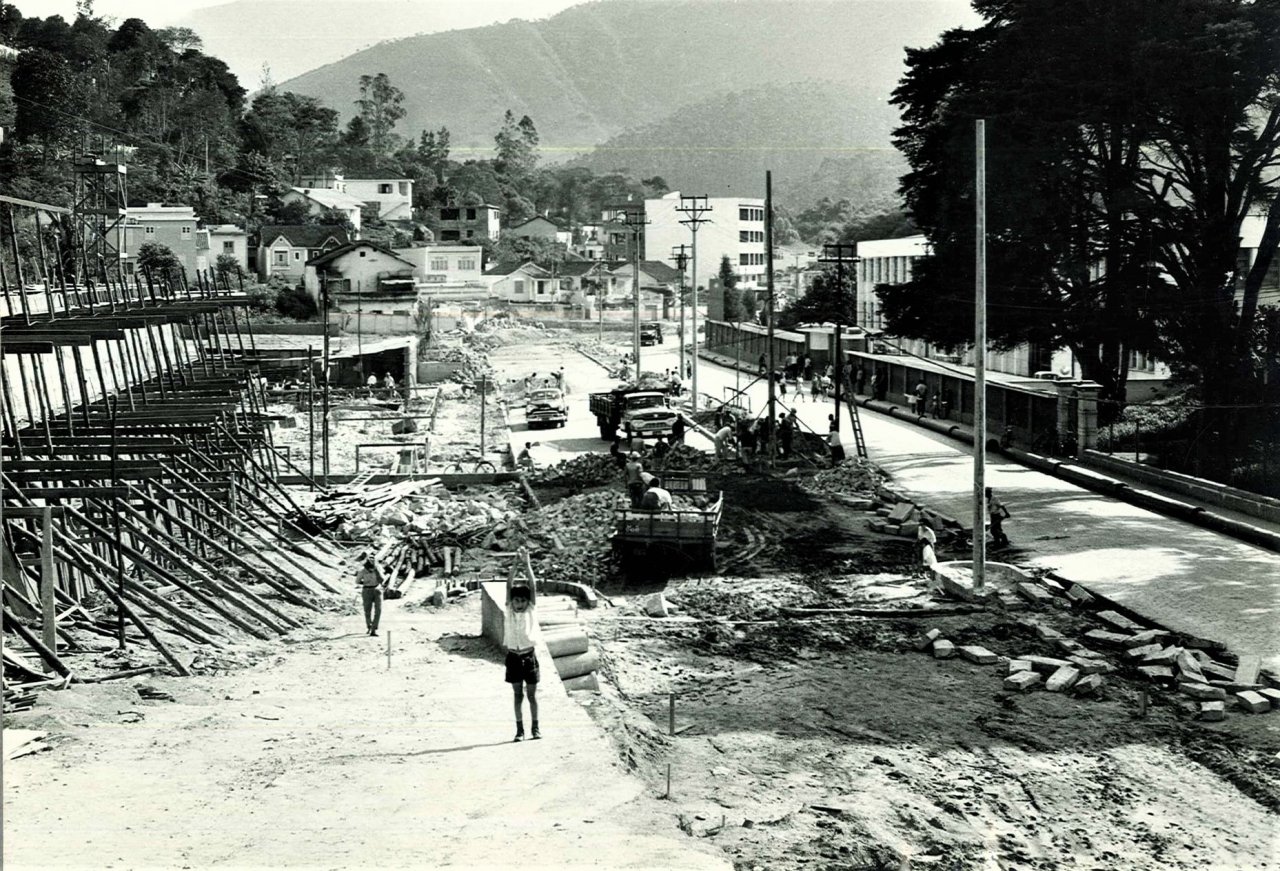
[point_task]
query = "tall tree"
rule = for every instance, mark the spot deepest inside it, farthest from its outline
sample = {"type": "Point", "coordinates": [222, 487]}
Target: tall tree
{"type": "Point", "coordinates": [729, 291]}
{"type": "Point", "coordinates": [516, 147]}
{"type": "Point", "coordinates": [380, 108]}
{"type": "Point", "coordinates": [826, 301]}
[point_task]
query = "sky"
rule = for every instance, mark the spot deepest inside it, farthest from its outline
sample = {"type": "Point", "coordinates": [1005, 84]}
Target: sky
{"type": "Point", "coordinates": [157, 13]}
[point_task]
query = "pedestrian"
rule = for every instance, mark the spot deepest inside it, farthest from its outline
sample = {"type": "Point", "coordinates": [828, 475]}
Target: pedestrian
{"type": "Point", "coordinates": [833, 441]}
{"type": "Point", "coordinates": [786, 432]}
{"type": "Point", "coordinates": [525, 458]}
{"type": "Point", "coordinates": [370, 580]}
{"type": "Point", "coordinates": [660, 449]}
{"type": "Point", "coordinates": [677, 430]}
{"type": "Point", "coordinates": [764, 365]}
{"type": "Point", "coordinates": [389, 384]}
{"type": "Point", "coordinates": [997, 513]}
{"type": "Point", "coordinates": [688, 369]}
{"type": "Point", "coordinates": [370, 383]}
{"type": "Point", "coordinates": [634, 469]}
{"type": "Point", "coordinates": [927, 542]}
{"type": "Point", "coordinates": [723, 440]}
{"type": "Point", "coordinates": [519, 635]}
{"type": "Point", "coordinates": [922, 391]}
{"type": "Point", "coordinates": [815, 388]}
{"type": "Point", "coordinates": [619, 455]}
{"type": "Point", "coordinates": [861, 377]}
{"type": "Point", "coordinates": [782, 388]}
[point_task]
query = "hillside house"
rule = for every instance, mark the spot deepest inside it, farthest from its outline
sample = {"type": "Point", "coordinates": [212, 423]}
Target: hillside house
{"type": "Point", "coordinates": [391, 198]}
{"type": "Point", "coordinates": [320, 200]}
{"type": "Point", "coordinates": [214, 242]}
{"type": "Point", "coordinates": [284, 250]}
{"type": "Point", "coordinates": [171, 226]}
{"type": "Point", "coordinates": [522, 282]}
{"type": "Point", "coordinates": [448, 271]}
{"type": "Point", "coordinates": [582, 278]}
{"type": "Point", "coordinates": [360, 267]}
{"type": "Point", "coordinates": [588, 242]}
{"type": "Point", "coordinates": [458, 223]}
{"type": "Point", "coordinates": [541, 227]}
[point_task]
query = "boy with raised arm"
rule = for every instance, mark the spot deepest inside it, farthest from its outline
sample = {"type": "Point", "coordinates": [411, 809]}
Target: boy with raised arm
{"type": "Point", "coordinates": [520, 634]}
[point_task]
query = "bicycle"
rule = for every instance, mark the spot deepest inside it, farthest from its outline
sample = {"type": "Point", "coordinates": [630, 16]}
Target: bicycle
{"type": "Point", "coordinates": [482, 467]}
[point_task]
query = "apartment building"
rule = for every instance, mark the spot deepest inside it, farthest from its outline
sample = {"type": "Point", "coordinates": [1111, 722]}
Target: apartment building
{"type": "Point", "coordinates": [734, 228]}
{"type": "Point", "coordinates": [458, 223]}
{"type": "Point", "coordinates": [171, 226]}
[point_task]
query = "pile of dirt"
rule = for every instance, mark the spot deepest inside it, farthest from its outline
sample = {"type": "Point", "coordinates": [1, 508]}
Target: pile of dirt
{"type": "Point", "coordinates": [582, 524]}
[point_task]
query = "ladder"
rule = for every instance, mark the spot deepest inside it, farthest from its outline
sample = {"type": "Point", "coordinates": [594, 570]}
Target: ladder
{"type": "Point", "coordinates": [855, 422]}
{"type": "Point", "coordinates": [362, 479]}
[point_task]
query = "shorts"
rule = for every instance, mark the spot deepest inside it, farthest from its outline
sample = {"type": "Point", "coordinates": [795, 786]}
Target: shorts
{"type": "Point", "coordinates": [522, 667]}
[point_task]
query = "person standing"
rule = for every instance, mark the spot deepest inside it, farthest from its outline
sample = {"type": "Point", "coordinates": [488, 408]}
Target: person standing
{"type": "Point", "coordinates": [786, 432]}
{"type": "Point", "coordinates": [927, 541]}
{"type": "Point", "coordinates": [723, 441]}
{"type": "Point", "coordinates": [520, 633]}
{"type": "Point", "coordinates": [371, 384]}
{"type": "Point", "coordinates": [815, 389]}
{"type": "Point", "coordinates": [833, 441]}
{"type": "Point", "coordinates": [370, 581]}
{"type": "Point", "coordinates": [922, 393]}
{"type": "Point", "coordinates": [677, 430]}
{"type": "Point", "coordinates": [997, 514]}
{"type": "Point", "coordinates": [635, 485]}
{"type": "Point", "coordinates": [861, 379]}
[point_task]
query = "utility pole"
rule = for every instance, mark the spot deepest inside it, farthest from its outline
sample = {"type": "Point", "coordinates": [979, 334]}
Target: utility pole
{"type": "Point", "coordinates": [682, 259]}
{"type": "Point", "coordinates": [980, 358]}
{"type": "Point", "coordinates": [840, 254]}
{"type": "Point", "coordinates": [768, 283]}
{"type": "Point", "coordinates": [693, 208]}
{"type": "Point", "coordinates": [324, 399]}
{"type": "Point", "coordinates": [633, 220]}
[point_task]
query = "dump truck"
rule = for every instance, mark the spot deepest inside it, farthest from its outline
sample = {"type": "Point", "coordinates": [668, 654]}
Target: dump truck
{"type": "Point", "coordinates": [651, 333]}
{"type": "Point", "coordinates": [686, 534]}
{"type": "Point", "coordinates": [639, 413]}
{"type": "Point", "coordinates": [545, 406]}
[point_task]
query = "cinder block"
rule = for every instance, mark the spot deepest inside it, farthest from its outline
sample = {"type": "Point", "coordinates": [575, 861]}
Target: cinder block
{"type": "Point", "coordinates": [1089, 685]}
{"type": "Point", "coordinates": [1254, 703]}
{"type": "Point", "coordinates": [1021, 681]}
{"type": "Point", "coordinates": [926, 640]}
{"type": "Point", "coordinates": [1212, 712]}
{"type": "Point", "coordinates": [1108, 639]}
{"type": "Point", "coordinates": [1035, 594]}
{"type": "Point", "coordinates": [1017, 665]}
{"type": "Point", "coordinates": [1062, 679]}
{"type": "Point", "coordinates": [979, 654]}
{"type": "Point", "coordinates": [1118, 621]}
{"type": "Point", "coordinates": [1204, 692]}
{"type": "Point", "coordinates": [943, 649]}
{"type": "Point", "coordinates": [1137, 654]}
{"type": "Point", "coordinates": [1248, 668]}
{"type": "Point", "coordinates": [1156, 672]}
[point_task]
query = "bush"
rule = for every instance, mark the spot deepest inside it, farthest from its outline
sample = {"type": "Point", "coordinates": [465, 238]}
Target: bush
{"type": "Point", "coordinates": [296, 303]}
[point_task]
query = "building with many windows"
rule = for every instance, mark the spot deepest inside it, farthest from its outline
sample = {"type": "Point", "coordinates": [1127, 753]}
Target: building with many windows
{"type": "Point", "coordinates": [458, 223]}
{"type": "Point", "coordinates": [734, 229]}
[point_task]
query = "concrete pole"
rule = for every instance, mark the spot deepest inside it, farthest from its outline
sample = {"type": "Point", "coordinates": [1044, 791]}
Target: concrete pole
{"type": "Point", "coordinates": [694, 269]}
{"type": "Point", "coordinates": [979, 358]}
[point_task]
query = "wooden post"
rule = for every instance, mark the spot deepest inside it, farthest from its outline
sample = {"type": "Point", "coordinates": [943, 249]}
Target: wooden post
{"type": "Point", "coordinates": [48, 581]}
{"type": "Point", "coordinates": [671, 714]}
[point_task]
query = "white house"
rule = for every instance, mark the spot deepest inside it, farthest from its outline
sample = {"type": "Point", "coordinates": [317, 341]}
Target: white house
{"type": "Point", "coordinates": [284, 250]}
{"type": "Point", "coordinates": [448, 271]}
{"type": "Point", "coordinates": [393, 197]}
{"type": "Point", "coordinates": [222, 239]}
{"type": "Point", "coordinates": [319, 200]}
{"type": "Point", "coordinates": [360, 267]}
{"type": "Point", "coordinates": [522, 282]}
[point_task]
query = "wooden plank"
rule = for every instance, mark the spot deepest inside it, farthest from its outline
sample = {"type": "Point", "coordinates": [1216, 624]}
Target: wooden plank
{"type": "Point", "coordinates": [48, 581]}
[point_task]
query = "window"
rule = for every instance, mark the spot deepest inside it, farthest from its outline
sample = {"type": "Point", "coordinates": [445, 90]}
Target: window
{"type": "Point", "coordinates": [542, 288]}
{"type": "Point", "coordinates": [439, 264]}
{"type": "Point", "coordinates": [467, 263]}
{"type": "Point", "coordinates": [150, 231]}
{"type": "Point", "coordinates": [404, 189]}
{"type": "Point", "coordinates": [363, 253]}
{"type": "Point", "coordinates": [471, 234]}
{"type": "Point", "coordinates": [228, 247]}
{"type": "Point", "coordinates": [280, 257]}
{"type": "Point", "coordinates": [297, 255]}
{"type": "Point", "coordinates": [744, 235]}
{"type": "Point", "coordinates": [471, 214]}
{"type": "Point", "coordinates": [450, 235]}
{"type": "Point", "coordinates": [450, 215]}
{"type": "Point", "coordinates": [744, 259]}
{"type": "Point", "coordinates": [517, 286]}
{"type": "Point", "coordinates": [384, 188]}
{"type": "Point", "coordinates": [186, 232]}
{"type": "Point", "coordinates": [744, 214]}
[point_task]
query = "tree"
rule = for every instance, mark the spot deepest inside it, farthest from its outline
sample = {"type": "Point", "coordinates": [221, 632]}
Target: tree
{"type": "Point", "coordinates": [159, 262]}
{"type": "Point", "coordinates": [227, 265]}
{"type": "Point", "coordinates": [48, 96]}
{"type": "Point", "coordinates": [729, 290]}
{"type": "Point", "coordinates": [516, 146]}
{"type": "Point", "coordinates": [380, 109]}
{"type": "Point", "coordinates": [823, 302]}
{"type": "Point", "coordinates": [750, 305]}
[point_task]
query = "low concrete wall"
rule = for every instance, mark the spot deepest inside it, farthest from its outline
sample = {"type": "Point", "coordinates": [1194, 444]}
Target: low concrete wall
{"type": "Point", "coordinates": [1252, 504]}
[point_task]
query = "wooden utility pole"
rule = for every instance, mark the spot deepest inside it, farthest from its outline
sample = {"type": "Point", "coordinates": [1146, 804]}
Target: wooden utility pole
{"type": "Point", "coordinates": [693, 208]}
{"type": "Point", "coordinates": [839, 254]}
{"type": "Point", "coordinates": [678, 253]}
{"type": "Point", "coordinates": [768, 283]}
{"type": "Point", "coordinates": [980, 358]}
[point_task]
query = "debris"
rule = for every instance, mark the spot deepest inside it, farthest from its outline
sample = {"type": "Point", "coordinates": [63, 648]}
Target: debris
{"type": "Point", "coordinates": [1045, 664]}
{"type": "Point", "coordinates": [1090, 684]}
{"type": "Point", "coordinates": [1213, 712]}
{"type": "Point", "coordinates": [1062, 679]}
{"type": "Point", "coordinates": [1111, 639]}
{"type": "Point", "coordinates": [1035, 594]}
{"type": "Point", "coordinates": [1017, 665]}
{"type": "Point", "coordinates": [1248, 668]}
{"type": "Point", "coordinates": [977, 653]}
{"type": "Point", "coordinates": [1156, 672]}
{"type": "Point", "coordinates": [1254, 703]}
{"type": "Point", "coordinates": [1272, 695]}
{"type": "Point", "coordinates": [1090, 664]}
{"type": "Point", "coordinates": [1021, 681]}
{"type": "Point", "coordinates": [1190, 668]}
{"type": "Point", "coordinates": [926, 640]}
{"type": "Point", "coordinates": [1150, 636]}
{"type": "Point", "coordinates": [1201, 691]}
{"type": "Point", "coordinates": [1137, 654]}
{"type": "Point", "coordinates": [943, 649]}
{"type": "Point", "coordinates": [1118, 621]}
{"type": "Point", "coordinates": [1079, 595]}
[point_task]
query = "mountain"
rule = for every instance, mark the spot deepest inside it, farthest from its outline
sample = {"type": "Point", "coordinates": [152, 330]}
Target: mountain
{"type": "Point", "coordinates": [594, 70]}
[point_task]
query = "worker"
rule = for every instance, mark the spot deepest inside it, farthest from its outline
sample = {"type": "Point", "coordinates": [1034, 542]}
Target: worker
{"type": "Point", "coordinates": [677, 430]}
{"type": "Point", "coordinates": [615, 451]}
{"type": "Point", "coordinates": [525, 458]}
{"type": "Point", "coordinates": [371, 382]}
{"type": "Point", "coordinates": [833, 441]}
{"type": "Point", "coordinates": [660, 449]}
{"type": "Point", "coordinates": [997, 514]}
{"type": "Point", "coordinates": [723, 440]}
{"type": "Point", "coordinates": [656, 498]}
{"type": "Point", "coordinates": [633, 470]}
{"type": "Point", "coordinates": [389, 383]}
{"type": "Point", "coordinates": [927, 542]}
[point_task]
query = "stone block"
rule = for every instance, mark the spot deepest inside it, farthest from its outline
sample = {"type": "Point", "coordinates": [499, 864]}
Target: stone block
{"type": "Point", "coordinates": [656, 606]}
{"type": "Point", "coordinates": [1201, 691]}
{"type": "Point", "coordinates": [1107, 639]}
{"type": "Point", "coordinates": [876, 525]}
{"type": "Point", "coordinates": [892, 529]}
{"type": "Point", "coordinates": [1035, 594]}
{"type": "Point", "coordinates": [1062, 679]}
{"type": "Point", "coordinates": [1090, 665]}
{"type": "Point", "coordinates": [1021, 681]}
{"type": "Point", "coordinates": [1248, 668]}
{"type": "Point", "coordinates": [901, 513]}
{"type": "Point", "coordinates": [1149, 636]}
{"type": "Point", "coordinates": [1068, 646]}
{"type": "Point", "coordinates": [1017, 665]}
{"type": "Point", "coordinates": [1189, 667]}
{"type": "Point", "coordinates": [1217, 670]}
{"type": "Point", "coordinates": [1137, 654]}
{"type": "Point", "coordinates": [1254, 703]}
{"type": "Point", "coordinates": [1213, 712]}
{"type": "Point", "coordinates": [1045, 633]}
{"type": "Point", "coordinates": [1156, 672]}
{"type": "Point", "coordinates": [882, 512]}
{"type": "Point", "coordinates": [1231, 687]}
{"type": "Point", "coordinates": [979, 654]}
{"type": "Point", "coordinates": [1089, 685]}
{"type": "Point", "coordinates": [1272, 695]}
{"type": "Point", "coordinates": [1079, 595]}
{"type": "Point", "coordinates": [1166, 656]}
{"type": "Point", "coordinates": [909, 529]}
{"type": "Point", "coordinates": [943, 649]}
{"type": "Point", "coordinates": [1045, 664]}
{"type": "Point", "coordinates": [926, 641]}
{"type": "Point", "coordinates": [1118, 621]}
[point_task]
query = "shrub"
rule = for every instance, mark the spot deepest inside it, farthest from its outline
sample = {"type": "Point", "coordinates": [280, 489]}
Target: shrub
{"type": "Point", "coordinates": [296, 303]}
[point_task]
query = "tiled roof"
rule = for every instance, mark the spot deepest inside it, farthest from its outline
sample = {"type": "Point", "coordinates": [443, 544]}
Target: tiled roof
{"type": "Point", "coordinates": [330, 198]}
{"type": "Point", "coordinates": [515, 266]}
{"type": "Point", "coordinates": [334, 254]}
{"type": "Point", "coordinates": [304, 235]}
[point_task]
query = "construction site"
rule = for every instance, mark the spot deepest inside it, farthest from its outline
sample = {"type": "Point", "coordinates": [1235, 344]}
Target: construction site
{"type": "Point", "coordinates": [764, 675]}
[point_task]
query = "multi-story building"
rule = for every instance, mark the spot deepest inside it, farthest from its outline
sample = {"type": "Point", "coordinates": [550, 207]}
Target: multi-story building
{"type": "Point", "coordinates": [616, 239]}
{"type": "Point", "coordinates": [734, 228]}
{"type": "Point", "coordinates": [217, 241]}
{"type": "Point", "coordinates": [171, 226]}
{"type": "Point", "coordinates": [391, 197]}
{"type": "Point", "coordinates": [448, 271]}
{"type": "Point", "coordinates": [458, 223]}
{"type": "Point", "coordinates": [284, 250]}
{"type": "Point", "coordinates": [320, 200]}
{"type": "Point", "coordinates": [884, 261]}
{"type": "Point", "coordinates": [588, 242]}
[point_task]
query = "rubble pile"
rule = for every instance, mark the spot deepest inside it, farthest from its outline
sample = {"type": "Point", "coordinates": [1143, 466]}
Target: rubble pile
{"type": "Point", "coordinates": [854, 475]}
{"type": "Point", "coordinates": [580, 551]}
{"type": "Point", "coordinates": [685, 458]}
{"type": "Point", "coordinates": [580, 472]}
{"type": "Point", "coordinates": [474, 363]}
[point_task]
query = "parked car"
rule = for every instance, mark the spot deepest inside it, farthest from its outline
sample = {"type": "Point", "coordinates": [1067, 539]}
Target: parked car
{"type": "Point", "coordinates": [546, 405]}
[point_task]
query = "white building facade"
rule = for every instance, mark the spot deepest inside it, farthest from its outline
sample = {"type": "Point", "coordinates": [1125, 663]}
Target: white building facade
{"type": "Point", "coordinates": [734, 228]}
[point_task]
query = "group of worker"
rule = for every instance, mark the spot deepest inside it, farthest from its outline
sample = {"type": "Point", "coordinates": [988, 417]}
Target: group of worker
{"type": "Point", "coordinates": [389, 384]}
{"type": "Point", "coordinates": [644, 489]}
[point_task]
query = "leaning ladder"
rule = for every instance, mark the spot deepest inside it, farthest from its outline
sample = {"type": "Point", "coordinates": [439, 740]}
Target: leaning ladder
{"type": "Point", "coordinates": [856, 423]}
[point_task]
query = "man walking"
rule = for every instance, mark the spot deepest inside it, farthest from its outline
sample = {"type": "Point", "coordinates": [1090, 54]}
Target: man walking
{"type": "Point", "coordinates": [370, 580]}
{"type": "Point", "coordinates": [997, 513]}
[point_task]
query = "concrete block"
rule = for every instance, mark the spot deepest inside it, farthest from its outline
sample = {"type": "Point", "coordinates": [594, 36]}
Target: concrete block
{"type": "Point", "coordinates": [1089, 685]}
{"type": "Point", "coordinates": [1035, 594]}
{"type": "Point", "coordinates": [1232, 687]}
{"type": "Point", "coordinates": [1217, 670]}
{"type": "Point", "coordinates": [909, 529]}
{"type": "Point", "coordinates": [1062, 679]}
{"type": "Point", "coordinates": [1021, 681]}
{"type": "Point", "coordinates": [901, 513]}
{"type": "Point", "coordinates": [979, 654]}
{"type": "Point", "coordinates": [1149, 636]}
{"type": "Point", "coordinates": [1166, 656]}
{"type": "Point", "coordinates": [1118, 621]}
{"type": "Point", "coordinates": [656, 606]}
{"type": "Point", "coordinates": [892, 529]}
{"type": "Point", "coordinates": [1248, 668]}
{"type": "Point", "coordinates": [1090, 665]}
{"type": "Point", "coordinates": [1156, 672]}
{"type": "Point", "coordinates": [882, 512]}
{"type": "Point", "coordinates": [926, 641]}
{"type": "Point", "coordinates": [1137, 654]}
{"type": "Point", "coordinates": [1044, 633]}
{"type": "Point", "coordinates": [943, 649]}
{"type": "Point", "coordinates": [1201, 691]}
{"type": "Point", "coordinates": [876, 525]}
{"type": "Point", "coordinates": [1079, 595]}
{"type": "Point", "coordinates": [1068, 646]}
{"type": "Point", "coordinates": [1045, 664]}
{"type": "Point", "coordinates": [1010, 602]}
{"type": "Point", "coordinates": [1254, 703]}
{"type": "Point", "coordinates": [1017, 665]}
{"type": "Point", "coordinates": [1190, 668]}
{"type": "Point", "coordinates": [1272, 695]}
{"type": "Point", "coordinates": [1213, 712]}
{"type": "Point", "coordinates": [1107, 639]}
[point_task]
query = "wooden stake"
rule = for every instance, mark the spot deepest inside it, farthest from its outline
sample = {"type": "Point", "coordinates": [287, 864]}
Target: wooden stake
{"type": "Point", "coordinates": [48, 582]}
{"type": "Point", "coordinates": [671, 714]}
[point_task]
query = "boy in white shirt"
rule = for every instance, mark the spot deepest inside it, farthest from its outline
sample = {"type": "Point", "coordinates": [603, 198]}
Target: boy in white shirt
{"type": "Point", "coordinates": [520, 634]}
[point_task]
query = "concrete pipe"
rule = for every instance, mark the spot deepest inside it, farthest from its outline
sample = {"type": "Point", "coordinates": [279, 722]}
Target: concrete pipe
{"type": "Point", "coordinates": [576, 664]}
{"type": "Point", "coordinates": [567, 644]}
{"type": "Point", "coordinates": [557, 619]}
{"type": "Point", "coordinates": [583, 682]}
